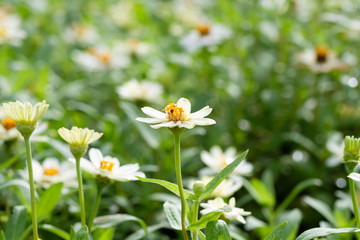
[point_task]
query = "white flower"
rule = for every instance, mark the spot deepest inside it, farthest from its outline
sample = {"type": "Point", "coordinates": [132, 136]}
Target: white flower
{"type": "Point", "coordinates": [320, 60]}
{"type": "Point", "coordinates": [205, 36]}
{"type": "Point", "coordinates": [354, 176]}
{"type": "Point", "coordinates": [80, 33]}
{"type": "Point", "coordinates": [225, 189]}
{"type": "Point", "coordinates": [133, 47]}
{"type": "Point", "coordinates": [144, 90]}
{"type": "Point", "coordinates": [127, 18]}
{"type": "Point", "coordinates": [10, 31]}
{"type": "Point", "coordinates": [235, 214]}
{"type": "Point", "coordinates": [8, 129]}
{"type": "Point", "coordinates": [217, 160]}
{"type": "Point", "coordinates": [109, 167]}
{"type": "Point", "coordinates": [177, 115]}
{"type": "Point", "coordinates": [52, 171]}
{"type": "Point", "coordinates": [100, 59]}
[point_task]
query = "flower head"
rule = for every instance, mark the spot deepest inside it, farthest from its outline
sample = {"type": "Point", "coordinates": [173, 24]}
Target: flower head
{"type": "Point", "coordinates": [10, 30]}
{"type": "Point", "coordinates": [80, 33]}
{"type": "Point", "coordinates": [177, 115]}
{"type": "Point", "coordinates": [145, 90]}
{"type": "Point", "coordinates": [25, 115]}
{"type": "Point", "coordinates": [7, 128]}
{"type": "Point", "coordinates": [79, 139]}
{"type": "Point", "coordinates": [235, 213]}
{"type": "Point", "coordinates": [109, 167]}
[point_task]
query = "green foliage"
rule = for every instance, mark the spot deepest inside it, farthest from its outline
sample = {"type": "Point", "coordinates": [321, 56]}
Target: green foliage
{"type": "Point", "coordinates": [115, 219]}
{"type": "Point", "coordinates": [217, 230]}
{"type": "Point", "coordinates": [16, 224]}
{"type": "Point", "coordinates": [81, 234]}
{"type": "Point", "coordinates": [278, 232]}
{"type": "Point", "coordinates": [323, 232]}
{"type": "Point", "coordinates": [212, 216]}
{"type": "Point", "coordinates": [48, 200]}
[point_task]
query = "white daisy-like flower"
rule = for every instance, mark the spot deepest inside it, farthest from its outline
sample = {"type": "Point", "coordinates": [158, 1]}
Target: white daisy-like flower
{"type": "Point", "coordinates": [236, 214]}
{"type": "Point", "coordinates": [225, 189]}
{"type": "Point", "coordinates": [109, 167]}
{"type": "Point", "coordinates": [80, 33]}
{"type": "Point", "coordinates": [10, 29]}
{"type": "Point", "coordinates": [100, 59]}
{"type": "Point", "coordinates": [177, 115]}
{"type": "Point", "coordinates": [217, 160]}
{"type": "Point", "coordinates": [320, 60]}
{"type": "Point", "coordinates": [144, 90]}
{"type": "Point", "coordinates": [8, 129]}
{"type": "Point", "coordinates": [127, 18]}
{"type": "Point", "coordinates": [133, 48]}
{"type": "Point", "coordinates": [205, 35]}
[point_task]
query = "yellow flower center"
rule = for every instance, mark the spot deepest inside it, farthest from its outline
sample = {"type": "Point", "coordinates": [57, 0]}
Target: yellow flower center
{"type": "Point", "coordinates": [8, 123]}
{"type": "Point", "coordinates": [321, 54]}
{"type": "Point", "coordinates": [2, 31]}
{"type": "Point", "coordinates": [203, 29]}
{"type": "Point", "coordinates": [106, 165]}
{"type": "Point", "coordinates": [174, 113]}
{"type": "Point", "coordinates": [51, 171]}
{"type": "Point", "coordinates": [103, 57]}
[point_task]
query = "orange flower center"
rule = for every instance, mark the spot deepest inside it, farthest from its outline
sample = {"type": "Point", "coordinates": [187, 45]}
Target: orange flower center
{"type": "Point", "coordinates": [51, 171]}
{"type": "Point", "coordinates": [174, 113]}
{"type": "Point", "coordinates": [203, 29]}
{"type": "Point", "coordinates": [321, 54]}
{"type": "Point", "coordinates": [102, 56]}
{"type": "Point", "coordinates": [106, 165]}
{"type": "Point", "coordinates": [2, 31]}
{"type": "Point", "coordinates": [8, 123]}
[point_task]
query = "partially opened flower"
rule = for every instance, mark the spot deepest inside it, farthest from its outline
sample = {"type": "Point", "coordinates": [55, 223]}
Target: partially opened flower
{"type": "Point", "coordinates": [25, 115]}
{"type": "Point", "coordinates": [177, 115]}
{"type": "Point", "coordinates": [235, 213]}
{"type": "Point", "coordinates": [144, 90]}
{"type": "Point", "coordinates": [109, 167]}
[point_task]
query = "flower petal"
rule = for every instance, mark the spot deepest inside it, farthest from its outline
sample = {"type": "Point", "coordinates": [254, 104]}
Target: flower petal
{"type": "Point", "coordinates": [149, 120]}
{"type": "Point", "coordinates": [154, 113]}
{"type": "Point", "coordinates": [203, 121]}
{"type": "Point", "coordinates": [201, 113]}
{"type": "Point", "coordinates": [95, 156]}
{"type": "Point", "coordinates": [185, 105]}
{"type": "Point", "coordinates": [164, 124]}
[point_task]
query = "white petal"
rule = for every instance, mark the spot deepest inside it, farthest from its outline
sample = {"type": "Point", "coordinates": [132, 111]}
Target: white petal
{"type": "Point", "coordinates": [95, 156]}
{"type": "Point", "coordinates": [185, 105]}
{"type": "Point", "coordinates": [203, 121]}
{"type": "Point", "coordinates": [164, 124]}
{"type": "Point", "coordinates": [154, 113]}
{"type": "Point", "coordinates": [201, 113]}
{"type": "Point", "coordinates": [354, 176]}
{"type": "Point", "coordinates": [186, 124]}
{"type": "Point", "coordinates": [149, 120]}
{"type": "Point", "coordinates": [51, 163]}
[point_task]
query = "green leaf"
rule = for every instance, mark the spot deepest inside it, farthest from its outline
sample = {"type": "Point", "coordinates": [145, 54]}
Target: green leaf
{"type": "Point", "coordinates": [48, 200]}
{"type": "Point", "coordinates": [141, 234]}
{"type": "Point", "coordinates": [212, 216]}
{"type": "Point", "coordinates": [322, 208]}
{"type": "Point", "coordinates": [11, 161]}
{"type": "Point", "coordinates": [217, 230]}
{"type": "Point", "coordinates": [108, 234]}
{"type": "Point", "coordinates": [259, 192]}
{"type": "Point", "coordinates": [57, 231]}
{"type": "Point", "coordinates": [15, 183]}
{"type": "Point", "coordinates": [173, 214]}
{"type": "Point", "coordinates": [2, 235]}
{"type": "Point", "coordinates": [16, 224]}
{"type": "Point", "coordinates": [115, 219]}
{"type": "Point", "coordinates": [277, 233]}
{"type": "Point", "coordinates": [170, 186]}
{"type": "Point", "coordinates": [210, 187]}
{"type": "Point", "coordinates": [82, 234]}
{"type": "Point", "coordinates": [293, 219]}
{"type": "Point", "coordinates": [322, 232]}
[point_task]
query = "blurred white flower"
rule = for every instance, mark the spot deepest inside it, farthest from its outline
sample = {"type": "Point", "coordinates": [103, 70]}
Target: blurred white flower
{"type": "Point", "coordinates": [8, 129]}
{"type": "Point", "coordinates": [225, 189]}
{"type": "Point", "coordinates": [80, 33]}
{"type": "Point", "coordinates": [133, 47]}
{"type": "Point", "coordinates": [216, 160]}
{"type": "Point", "coordinates": [109, 167]}
{"type": "Point", "coordinates": [177, 115]}
{"type": "Point", "coordinates": [320, 60]}
{"type": "Point", "coordinates": [205, 35]}
{"type": "Point", "coordinates": [144, 90]}
{"type": "Point", "coordinates": [127, 18]}
{"type": "Point", "coordinates": [10, 29]}
{"type": "Point", "coordinates": [335, 145]}
{"type": "Point", "coordinates": [100, 59]}
{"type": "Point", "coordinates": [235, 214]}
{"type": "Point", "coordinates": [188, 12]}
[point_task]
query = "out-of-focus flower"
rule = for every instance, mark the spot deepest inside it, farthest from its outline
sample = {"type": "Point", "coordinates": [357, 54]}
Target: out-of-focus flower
{"type": "Point", "coordinates": [335, 145]}
{"type": "Point", "coordinates": [205, 35]}
{"type": "Point", "coordinates": [225, 189]}
{"type": "Point", "coordinates": [188, 12]}
{"type": "Point", "coordinates": [10, 29]}
{"type": "Point", "coordinates": [52, 171]}
{"type": "Point", "coordinates": [100, 59]}
{"type": "Point", "coordinates": [25, 115]}
{"type": "Point", "coordinates": [177, 115]}
{"type": "Point", "coordinates": [133, 48]}
{"type": "Point", "coordinates": [320, 60]}
{"type": "Point", "coordinates": [80, 33]}
{"type": "Point", "coordinates": [217, 160]}
{"type": "Point", "coordinates": [109, 167]}
{"type": "Point", "coordinates": [144, 90]}
{"type": "Point", "coordinates": [235, 213]}
{"type": "Point", "coordinates": [8, 129]}
{"type": "Point", "coordinates": [127, 17]}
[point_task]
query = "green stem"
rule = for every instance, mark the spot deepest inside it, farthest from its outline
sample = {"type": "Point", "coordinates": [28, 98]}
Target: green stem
{"type": "Point", "coordinates": [32, 188]}
{"type": "Point", "coordinates": [81, 191]}
{"type": "Point", "coordinates": [95, 208]}
{"type": "Point", "coordinates": [353, 198]}
{"type": "Point", "coordinates": [177, 133]}
{"type": "Point", "coordinates": [195, 211]}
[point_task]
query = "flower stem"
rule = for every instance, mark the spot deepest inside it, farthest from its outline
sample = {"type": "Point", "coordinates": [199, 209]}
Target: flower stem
{"type": "Point", "coordinates": [177, 133]}
{"type": "Point", "coordinates": [32, 187]}
{"type": "Point", "coordinates": [81, 191]}
{"type": "Point", "coordinates": [353, 198]}
{"type": "Point", "coordinates": [195, 210]}
{"type": "Point", "coordinates": [95, 208]}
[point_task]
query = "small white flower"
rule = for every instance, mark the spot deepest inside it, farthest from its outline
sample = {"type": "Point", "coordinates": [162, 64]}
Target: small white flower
{"type": "Point", "coordinates": [235, 214]}
{"type": "Point", "coordinates": [109, 167]}
{"type": "Point", "coordinates": [217, 160]}
{"type": "Point", "coordinates": [225, 189]}
{"type": "Point", "coordinates": [320, 60]}
{"type": "Point", "coordinates": [177, 115]}
{"type": "Point", "coordinates": [205, 36]}
{"type": "Point", "coordinates": [80, 33]}
{"type": "Point", "coordinates": [8, 129]}
{"type": "Point", "coordinates": [144, 90]}
{"type": "Point", "coordinates": [133, 47]}
{"type": "Point", "coordinates": [100, 59]}
{"type": "Point", "coordinates": [10, 30]}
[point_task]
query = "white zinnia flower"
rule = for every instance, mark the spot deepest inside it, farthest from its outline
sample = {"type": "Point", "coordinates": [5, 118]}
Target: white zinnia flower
{"type": "Point", "coordinates": [144, 90]}
{"type": "Point", "coordinates": [205, 36]}
{"type": "Point", "coordinates": [225, 189]}
{"type": "Point", "coordinates": [109, 167]}
{"type": "Point", "coordinates": [217, 160]}
{"type": "Point", "coordinates": [235, 214]}
{"type": "Point", "coordinates": [8, 129]}
{"type": "Point", "coordinates": [80, 33]}
{"type": "Point", "coordinates": [320, 60]}
{"type": "Point", "coordinates": [10, 31]}
{"type": "Point", "coordinates": [177, 115]}
{"type": "Point", "coordinates": [133, 47]}
{"type": "Point", "coordinates": [100, 59]}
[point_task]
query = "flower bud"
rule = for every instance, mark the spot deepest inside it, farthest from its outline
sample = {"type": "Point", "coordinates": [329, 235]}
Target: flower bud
{"type": "Point", "coordinates": [198, 188]}
{"type": "Point", "coordinates": [351, 152]}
